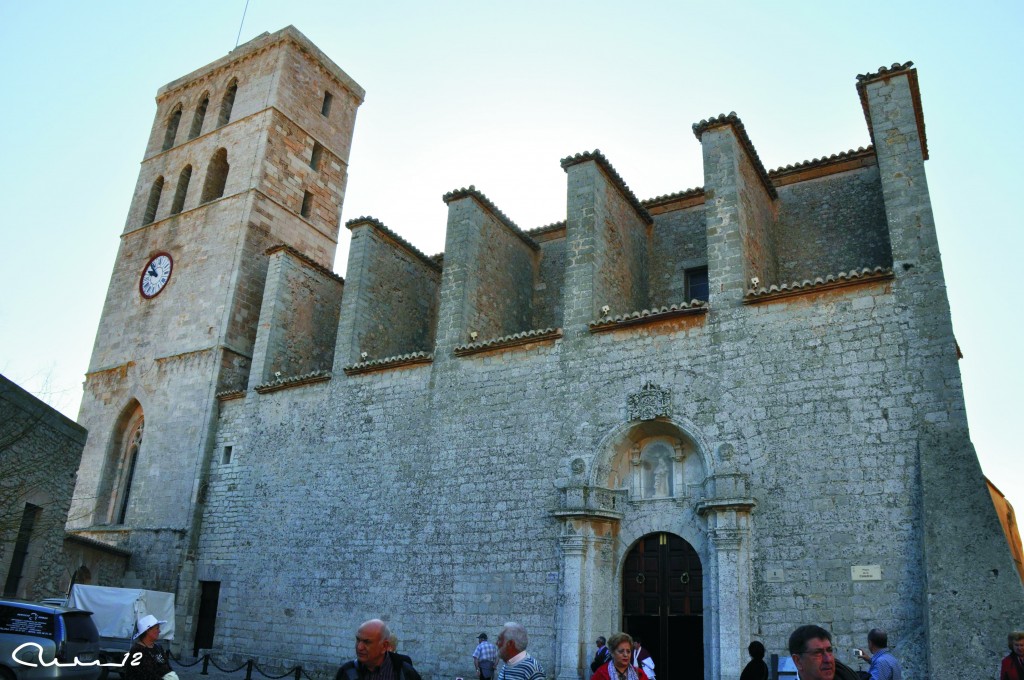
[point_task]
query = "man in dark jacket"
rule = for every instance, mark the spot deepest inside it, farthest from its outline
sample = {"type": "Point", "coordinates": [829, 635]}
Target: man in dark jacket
{"type": "Point", "coordinates": [373, 660]}
{"type": "Point", "coordinates": [602, 656]}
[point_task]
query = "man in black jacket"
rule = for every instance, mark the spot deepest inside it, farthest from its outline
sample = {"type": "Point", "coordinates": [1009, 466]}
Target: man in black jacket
{"type": "Point", "coordinates": [602, 656]}
{"type": "Point", "coordinates": [373, 659]}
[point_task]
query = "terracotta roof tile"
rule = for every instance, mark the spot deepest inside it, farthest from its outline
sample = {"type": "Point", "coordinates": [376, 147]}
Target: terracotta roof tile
{"type": "Point", "coordinates": [389, 362]}
{"type": "Point", "coordinates": [512, 340]}
{"type": "Point", "coordinates": [884, 71]}
{"type": "Point", "coordinates": [775, 291]}
{"type": "Point", "coordinates": [669, 198]}
{"type": "Point", "coordinates": [554, 226]}
{"type": "Point", "coordinates": [823, 161]}
{"type": "Point", "coordinates": [227, 395]}
{"type": "Point", "coordinates": [294, 381]}
{"type": "Point", "coordinates": [647, 315]}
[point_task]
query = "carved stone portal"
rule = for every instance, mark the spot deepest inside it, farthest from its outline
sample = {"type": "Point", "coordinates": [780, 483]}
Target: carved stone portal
{"type": "Point", "coordinates": [649, 403]}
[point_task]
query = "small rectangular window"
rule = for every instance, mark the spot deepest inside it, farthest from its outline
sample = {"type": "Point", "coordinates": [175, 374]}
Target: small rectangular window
{"type": "Point", "coordinates": [226, 458]}
{"type": "Point", "coordinates": [314, 160]}
{"type": "Point", "coordinates": [697, 284]}
{"type": "Point", "coordinates": [307, 204]}
{"type": "Point", "coordinates": [326, 108]}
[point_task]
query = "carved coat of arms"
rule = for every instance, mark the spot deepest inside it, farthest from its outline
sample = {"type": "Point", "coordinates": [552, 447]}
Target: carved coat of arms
{"type": "Point", "coordinates": [650, 402]}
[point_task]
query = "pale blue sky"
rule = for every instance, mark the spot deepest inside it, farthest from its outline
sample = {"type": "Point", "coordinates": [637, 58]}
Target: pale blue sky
{"type": "Point", "coordinates": [494, 94]}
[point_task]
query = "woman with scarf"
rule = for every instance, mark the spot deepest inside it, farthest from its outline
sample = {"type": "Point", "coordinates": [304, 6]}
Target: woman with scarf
{"type": "Point", "coordinates": [619, 668]}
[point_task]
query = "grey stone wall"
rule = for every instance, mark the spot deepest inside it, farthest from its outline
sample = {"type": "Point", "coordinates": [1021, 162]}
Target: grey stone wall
{"type": "Point", "coordinates": [477, 547]}
{"type": "Point", "coordinates": [678, 242]}
{"type": "Point", "coordinates": [432, 499]}
{"type": "Point", "coordinates": [739, 215]}
{"type": "Point", "coordinates": [171, 354]}
{"type": "Point", "coordinates": [818, 432]}
{"type": "Point", "coordinates": [390, 307]}
{"type": "Point", "coordinates": [298, 321]}
{"type": "Point", "coordinates": [488, 277]}
{"type": "Point", "coordinates": [831, 225]}
{"type": "Point", "coordinates": [93, 563]}
{"type": "Point", "coordinates": [40, 450]}
{"type": "Point", "coordinates": [547, 291]}
{"type": "Point", "coordinates": [607, 244]}
{"type": "Point", "coordinates": [972, 586]}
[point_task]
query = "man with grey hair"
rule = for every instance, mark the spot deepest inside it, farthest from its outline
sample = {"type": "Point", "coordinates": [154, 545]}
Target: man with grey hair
{"type": "Point", "coordinates": [511, 644]}
{"type": "Point", "coordinates": [374, 660]}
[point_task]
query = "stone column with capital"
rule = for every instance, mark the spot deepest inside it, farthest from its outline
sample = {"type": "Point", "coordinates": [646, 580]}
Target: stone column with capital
{"type": "Point", "coordinates": [588, 527]}
{"type": "Point", "coordinates": [731, 554]}
{"type": "Point", "coordinates": [573, 546]}
{"type": "Point", "coordinates": [727, 512]}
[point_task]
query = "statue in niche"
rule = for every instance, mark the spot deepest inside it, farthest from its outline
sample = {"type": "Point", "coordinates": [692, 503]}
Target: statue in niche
{"type": "Point", "coordinates": [661, 478]}
{"type": "Point", "coordinates": [656, 471]}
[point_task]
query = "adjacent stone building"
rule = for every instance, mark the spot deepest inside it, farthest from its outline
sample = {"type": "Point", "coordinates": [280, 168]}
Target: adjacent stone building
{"type": "Point", "coordinates": [40, 451]}
{"type": "Point", "coordinates": [706, 417]}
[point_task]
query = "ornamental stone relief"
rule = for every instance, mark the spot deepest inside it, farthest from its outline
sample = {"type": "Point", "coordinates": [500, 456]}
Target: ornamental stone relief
{"type": "Point", "coordinates": [649, 403]}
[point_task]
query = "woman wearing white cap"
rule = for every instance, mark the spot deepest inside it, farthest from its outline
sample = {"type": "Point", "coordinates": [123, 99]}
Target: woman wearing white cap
{"type": "Point", "coordinates": [152, 661]}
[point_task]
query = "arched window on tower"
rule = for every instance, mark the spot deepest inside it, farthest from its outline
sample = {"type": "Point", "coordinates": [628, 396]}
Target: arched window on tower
{"type": "Point", "coordinates": [227, 103]}
{"type": "Point", "coordinates": [126, 463]}
{"type": "Point", "coordinates": [216, 176]}
{"type": "Point", "coordinates": [154, 200]}
{"type": "Point", "coordinates": [172, 127]}
{"type": "Point", "coordinates": [179, 193]}
{"type": "Point", "coordinates": [198, 117]}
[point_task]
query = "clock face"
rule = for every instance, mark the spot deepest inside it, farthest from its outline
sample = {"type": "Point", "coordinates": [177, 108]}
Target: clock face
{"type": "Point", "coordinates": [156, 275]}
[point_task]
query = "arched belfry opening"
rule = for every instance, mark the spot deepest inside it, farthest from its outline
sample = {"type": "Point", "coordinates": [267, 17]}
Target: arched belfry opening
{"type": "Point", "coordinates": [656, 539]}
{"type": "Point", "coordinates": [663, 603]}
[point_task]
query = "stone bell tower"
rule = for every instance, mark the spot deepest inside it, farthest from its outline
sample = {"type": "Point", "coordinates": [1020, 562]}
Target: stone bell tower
{"type": "Point", "coordinates": [246, 153]}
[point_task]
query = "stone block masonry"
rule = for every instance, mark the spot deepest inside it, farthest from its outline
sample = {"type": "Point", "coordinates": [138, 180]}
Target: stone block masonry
{"type": "Point", "coordinates": [537, 426]}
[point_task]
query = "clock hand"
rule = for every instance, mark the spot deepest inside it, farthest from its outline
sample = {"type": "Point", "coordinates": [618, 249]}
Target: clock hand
{"type": "Point", "coordinates": [152, 271]}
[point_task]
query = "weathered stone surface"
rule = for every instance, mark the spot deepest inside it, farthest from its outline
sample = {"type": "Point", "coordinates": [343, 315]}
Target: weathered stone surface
{"type": "Point", "coordinates": [449, 481]}
{"type": "Point", "coordinates": [40, 451]}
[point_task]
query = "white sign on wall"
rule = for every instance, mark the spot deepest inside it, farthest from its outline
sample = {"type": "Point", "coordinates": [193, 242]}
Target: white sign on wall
{"type": "Point", "coordinates": [866, 572]}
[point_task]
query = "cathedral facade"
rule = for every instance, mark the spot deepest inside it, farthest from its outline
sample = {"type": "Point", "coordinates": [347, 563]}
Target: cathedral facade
{"type": "Point", "coordinates": [705, 418]}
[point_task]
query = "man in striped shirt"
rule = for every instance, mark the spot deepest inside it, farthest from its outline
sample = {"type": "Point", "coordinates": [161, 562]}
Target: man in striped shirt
{"type": "Point", "coordinates": [512, 642]}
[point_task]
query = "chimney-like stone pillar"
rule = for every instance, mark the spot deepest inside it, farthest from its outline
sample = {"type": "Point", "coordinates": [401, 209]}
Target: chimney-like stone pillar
{"type": "Point", "coordinates": [739, 204]}
{"type": "Point", "coordinates": [489, 269]}
{"type": "Point", "coordinates": [608, 236]}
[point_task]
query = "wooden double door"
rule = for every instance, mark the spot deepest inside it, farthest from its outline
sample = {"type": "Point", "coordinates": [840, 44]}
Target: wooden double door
{"type": "Point", "coordinates": [663, 604]}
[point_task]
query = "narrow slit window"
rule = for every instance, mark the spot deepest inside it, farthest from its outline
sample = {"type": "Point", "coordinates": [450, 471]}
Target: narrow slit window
{"type": "Point", "coordinates": [154, 200]}
{"type": "Point", "coordinates": [326, 108]}
{"type": "Point", "coordinates": [216, 176]}
{"type": "Point", "coordinates": [198, 117]}
{"type": "Point", "coordinates": [181, 190]}
{"type": "Point", "coordinates": [172, 128]}
{"type": "Point", "coordinates": [307, 204]}
{"type": "Point", "coordinates": [227, 104]}
{"type": "Point", "coordinates": [314, 160]}
{"type": "Point", "coordinates": [226, 457]}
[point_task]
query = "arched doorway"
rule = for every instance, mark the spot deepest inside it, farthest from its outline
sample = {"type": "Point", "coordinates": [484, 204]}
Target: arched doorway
{"type": "Point", "coordinates": [662, 604]}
